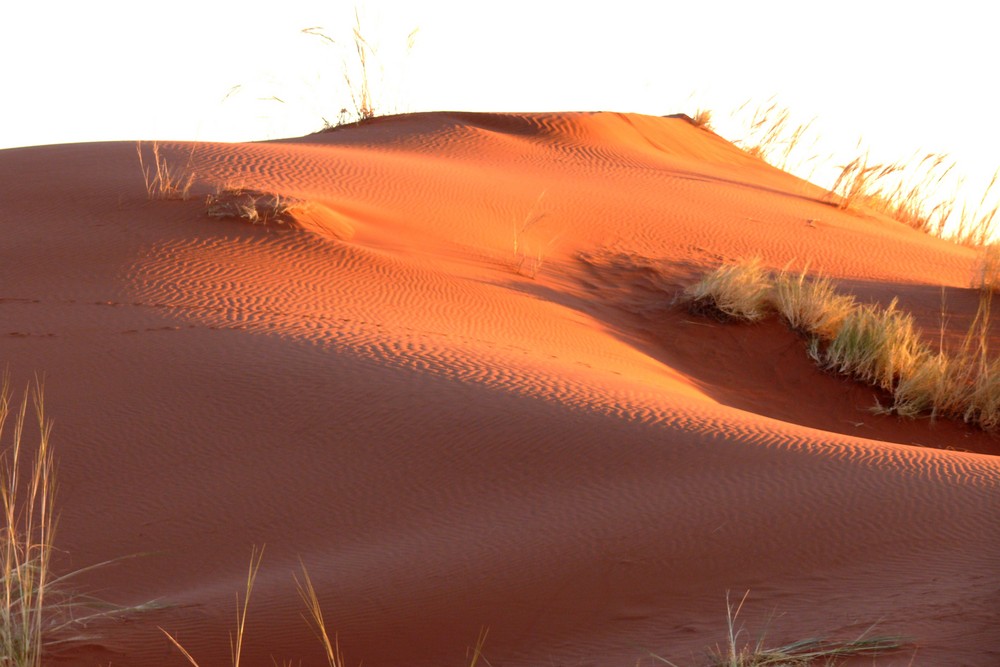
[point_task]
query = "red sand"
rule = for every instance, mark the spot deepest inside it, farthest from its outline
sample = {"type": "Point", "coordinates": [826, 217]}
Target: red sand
{"type": "Point", "coordinates": [449, 442]}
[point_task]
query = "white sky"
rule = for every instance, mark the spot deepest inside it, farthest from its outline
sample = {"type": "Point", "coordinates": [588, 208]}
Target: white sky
{"type": "Point", "coordinates": [906, 76]}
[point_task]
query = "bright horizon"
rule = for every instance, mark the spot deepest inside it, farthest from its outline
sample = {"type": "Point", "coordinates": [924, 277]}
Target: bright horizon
{"type": "Point", "coordinates": [901, 77]}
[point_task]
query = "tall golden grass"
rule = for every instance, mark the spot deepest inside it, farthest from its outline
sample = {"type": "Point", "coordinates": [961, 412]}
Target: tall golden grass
{"type": "Point", "coordinates": [26, 490]}
{"type": "Point", "coordinates": [878, 345]}
{"type": "Point", "coordinates": [365, 90]}
{"type": "Point", "coordinates": [922, 191]}
{"type": "Point", "coordinates": [163, 180]}
{"type": "Point", "coordinates": [771, 134]}
{"type": "Point", "coordinates": [39, 610]}
{"type": "Point", "coordinates": [740, 291]}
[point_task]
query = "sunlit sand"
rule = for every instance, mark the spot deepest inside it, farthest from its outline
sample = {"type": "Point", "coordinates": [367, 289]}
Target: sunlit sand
{"type": "Point", "coordinates": [452, 381]}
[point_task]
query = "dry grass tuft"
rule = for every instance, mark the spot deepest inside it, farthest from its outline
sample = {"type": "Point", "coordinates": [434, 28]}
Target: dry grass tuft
{"type": "Point", "coordinates": [26, 545]}
{"type": "Point", "coordinates": [987, 271]}
{"type": "Point", "coordinates": [357, 71]}
{"type": "Point", "coordinates": [880, 346]}
{"type": "Point", "coordinates": [254, 206]}
{"type": "Point", "coordinates": [702, 118]}
{"type": "Point", "coordinates": [910, 192]}
{"type": "Point", "coordinates": [307, 592]}
{"type": "Point", "coordinates": [977, 227]}
{"type": "Point", "coordinates": [810, 306]}
{"type": "Point", "coordinates": [900, 190]}
{"type": "Point", "coordinates": [771, 135]}
{"type": "Point", "coordinates": [530, 248]}
{"type": "Point", "coordinates": [39, 612]}
{"type": "Point", "coordinates": [235, 643]}
{"type": "Point", "coordinates": [162, 180]}
{"type": "Point", "coordinates": [738, 291]}
{"type": "Point", "coordinates": [802, 653]}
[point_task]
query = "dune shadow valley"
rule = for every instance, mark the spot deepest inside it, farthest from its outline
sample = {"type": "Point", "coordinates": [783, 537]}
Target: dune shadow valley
{"type": "Point", "coordinates": [441, 365]}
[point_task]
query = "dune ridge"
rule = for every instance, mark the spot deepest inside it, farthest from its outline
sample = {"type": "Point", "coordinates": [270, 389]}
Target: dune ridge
{"type": "Point", "coordinates": [449, 441]}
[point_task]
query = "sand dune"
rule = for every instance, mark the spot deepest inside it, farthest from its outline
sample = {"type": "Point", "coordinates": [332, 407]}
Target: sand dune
{"type": "Point", "coordinates": [457, 390]}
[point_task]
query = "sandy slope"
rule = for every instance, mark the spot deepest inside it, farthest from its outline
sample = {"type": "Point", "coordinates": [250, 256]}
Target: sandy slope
{"type": "Point", "coordinates": [451, 434]}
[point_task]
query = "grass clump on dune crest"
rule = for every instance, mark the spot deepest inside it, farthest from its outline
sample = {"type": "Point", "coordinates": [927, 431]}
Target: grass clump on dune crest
{"type": "Point", "coordinates": [162, 180]}
{"type": "Point", "coordinates": [880, 346]}
{"type": "Point", "coordinates": [908, 192]}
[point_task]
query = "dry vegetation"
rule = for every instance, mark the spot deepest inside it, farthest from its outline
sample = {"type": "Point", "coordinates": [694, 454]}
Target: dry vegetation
{"type": "Point", "coordinates": [802, 653]}
{"type": "Point", "coordinates": [922, 191]}
{"type": "Point", "coordinates": [254, 206]}
{"type": "Point", "coordinates": [771, 135]}
{"type": "Point", "coordinates": [910, 192]}
{"type": "Point", "coordinates": [880, 346]}
{"type": "Point", "coordinates": [357, 72]}
{"type": "Point", "coordinates": [163, 180]}
{"type": "Point", "coordinates": [39, 611]}
{"type": "Point", "coordinates": [530, 247]}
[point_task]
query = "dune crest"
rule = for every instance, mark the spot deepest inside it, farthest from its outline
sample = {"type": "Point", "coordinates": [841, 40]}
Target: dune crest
{"type": "Point", "coordinates": [455, 385]}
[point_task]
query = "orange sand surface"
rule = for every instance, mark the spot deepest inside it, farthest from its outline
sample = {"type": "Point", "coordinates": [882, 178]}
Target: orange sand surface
{"type": "Point", "coordinates": [458, 390]}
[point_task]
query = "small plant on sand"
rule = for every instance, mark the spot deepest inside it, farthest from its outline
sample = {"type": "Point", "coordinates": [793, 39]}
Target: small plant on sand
{"type": "Point", "coordinates": [162, 180]}
{"type": "Point", "coordinates": [986, 276]}
{"type": "Point", "coordinates": [738, 291]}
{"type": "Point", "coordinates": [702, 118]}
{"type": "Point", "coordinates": [26, 541]}
{"type": "Point", "coordinates": [308, 594]}
{"type": "Point", "coordinates": [357, 73]}
{"type": "Point", "coordinates": [977, 226]}
{"type": "Point", "coordinates": [39, 612]}
{"type": "Point", "coordinates": [235, 642]}
{"type": "Point", "coordinates": [529, 257]}
{"type": "Point", "coordinates": [258, 208]}
{"type": "Point", "coordinates": [770, 134]}
{"type": "Point", "coordinates": [802, 653]}
{"type": "Point", "coordinates": [810, 306]}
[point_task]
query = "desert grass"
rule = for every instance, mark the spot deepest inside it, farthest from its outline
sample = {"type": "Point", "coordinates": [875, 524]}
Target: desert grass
{"type": "Point", "coordinates": [359, 84]}
{"type": "Point", "coordinates": [307, 592]}
{"type": "Point", "coordinates": [702, 118]}
{"type": "Point", "coordinates": [254, 206]}
{"type": "Point", "coordinates": [39, 610]}
{"type": "Point", "coordinates": [901, 190]}
{"type": "Point", "coordinates": [357, 71]}
{"type": "Point", "coordinates": [163, 180]}
{"type": "Point", "coordinates": [529, 253]}
{"type": "Point", "coordinates": [875, 345]}
{"type": "Point", "coordinates": [881, 346]}
{"type": "Point", "coordinates": [964, 385]}
{"type": "Point", "coordinates": [916, 193]}
{"type": "Point", "coordinates": [978, 226]}
{"type": "Point", "coordinates": [810, 306]}
{"type": "Point", "coordinates": [29, 527]}
{"type": "Point", "coordinates": [740, 291]}
{"type": "Point", "coordinates": [986, 275]}
{"type": "Point", "coordinates": [739, 653]}
{"type": "Point", "coordinates": [235, 641]}
{"type": "Point", "coordinates": [771, 134]}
